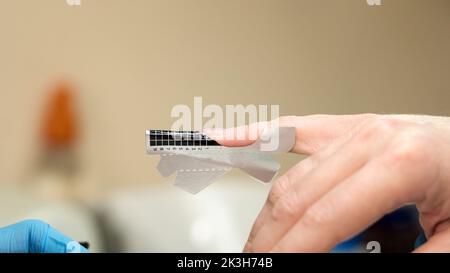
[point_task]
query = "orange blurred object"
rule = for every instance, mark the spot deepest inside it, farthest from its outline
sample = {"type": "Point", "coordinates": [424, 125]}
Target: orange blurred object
{"type": "Point", "coordinates": [59, 125]}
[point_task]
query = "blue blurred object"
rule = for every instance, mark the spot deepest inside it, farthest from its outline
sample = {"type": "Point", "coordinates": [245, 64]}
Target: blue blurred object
{"type": "Point", "coordinates": [422, 239]}
{"type": "Point", "coordinates": [34, 236]}
{"type": "Point", "coordinates": [350, 246]}
{"type": "Point", "coordinates": [395, 232]}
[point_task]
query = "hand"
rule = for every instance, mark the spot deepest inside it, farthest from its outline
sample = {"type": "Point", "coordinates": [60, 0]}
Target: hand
{"type": "Point", "coordinates": [33, 236]}
{"type": "Point", "coordinates": [359, 168]}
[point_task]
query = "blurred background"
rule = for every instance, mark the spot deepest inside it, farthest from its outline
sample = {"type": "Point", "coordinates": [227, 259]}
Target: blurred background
{"type": "Point", "coordinates": [80, 85]}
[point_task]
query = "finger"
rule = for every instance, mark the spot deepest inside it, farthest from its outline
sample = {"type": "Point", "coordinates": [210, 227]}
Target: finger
{"type": "Point", "coordinates": [34, 236]}
{"type": "Point", "coordinates": [308, 188]}
{"type": "Point", "coordinates": [376, 189]}
{"type": "Point", "coordinates": [439, 242]}
{"type": "Point", "coordinates": [256, 226]}
{"type": "Point", "coordinates": [284, 184]}
{"type": "Point", "coordinates": [312, 132]}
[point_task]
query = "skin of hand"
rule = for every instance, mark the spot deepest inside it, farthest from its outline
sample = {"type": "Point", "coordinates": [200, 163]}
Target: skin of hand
{"type": "Point", "coordinates": [359, 168]}
{"type": "Point", "coordinates": [34, 236]}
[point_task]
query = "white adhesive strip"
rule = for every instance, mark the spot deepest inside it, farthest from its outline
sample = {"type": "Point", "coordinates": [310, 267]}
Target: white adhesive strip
{"type": "Point", "coordinates": [198, 168]}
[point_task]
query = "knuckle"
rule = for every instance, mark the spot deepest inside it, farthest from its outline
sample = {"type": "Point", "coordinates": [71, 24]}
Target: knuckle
{"type": "Point", "coordinates": [410, 149]}
{"type": "Point", "coordinates": [286, 120]}
{"type": "Point", "coordinates": [317, 215]}
{"type": "Point", "coordinates": [376, 127]}
{"type": "Point", "coordinates": [278, 189]}
{"type": "Point", "coordinates": [313, 160]}
{"type": "Point", "coordinates": [370, 117]}
{"type": "Point", "coordinates": [410, 154]}
{"type": "Point", "coordinates": [367, 119]}
{"type": "Point", "coordinates": [287, 207]}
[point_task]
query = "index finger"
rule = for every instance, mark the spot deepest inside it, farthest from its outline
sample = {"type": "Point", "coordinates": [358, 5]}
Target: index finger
{"type": "Point", "coordinates": [312, 132]}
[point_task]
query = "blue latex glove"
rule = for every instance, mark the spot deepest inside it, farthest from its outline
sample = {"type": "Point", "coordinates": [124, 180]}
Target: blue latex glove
{"type": "Point", "coordinates": [34, 236]}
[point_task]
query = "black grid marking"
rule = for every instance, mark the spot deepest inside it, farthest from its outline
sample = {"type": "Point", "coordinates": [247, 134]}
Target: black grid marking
{"type": "Point", "coordinates": [179, 138]}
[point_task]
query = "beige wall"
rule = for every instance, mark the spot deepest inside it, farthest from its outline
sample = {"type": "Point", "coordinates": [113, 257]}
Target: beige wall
{"type": "Point", "coordinates": [132, 60]}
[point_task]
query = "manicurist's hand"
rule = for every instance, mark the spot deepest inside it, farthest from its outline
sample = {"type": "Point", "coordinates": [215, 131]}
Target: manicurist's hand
{"type": "Point", "coordinates": [360, 167]}
{"type": "Point", "coordinates": [34, 236]}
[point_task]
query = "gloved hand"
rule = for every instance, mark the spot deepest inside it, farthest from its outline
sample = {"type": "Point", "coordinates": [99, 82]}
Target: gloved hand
{"type": "Point", "coordinates": [34, 236]}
